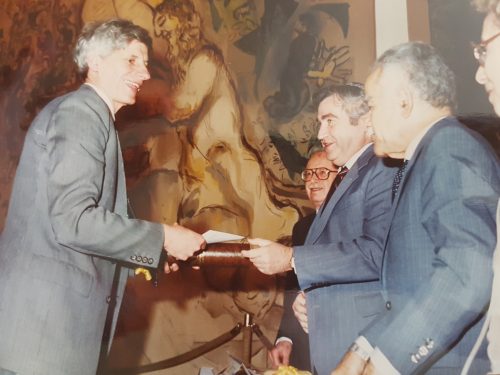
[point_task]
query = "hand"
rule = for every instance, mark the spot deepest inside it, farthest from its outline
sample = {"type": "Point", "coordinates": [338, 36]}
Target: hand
{"type": "Point", "coordinates": [181, 242]}
{"type": "Point", "coordinates": [371, 370]}
{"type": "Point", "coordinates": [270, 257]}
{"type": "Point", "coordinates": [174, 267]}
{"type": "Point", "coordinates": [351, 364]}
{"type": "Point", "coordinates": [280, 354]}
{"type": "Point", "coordinates": [170, 267]}
{"type": "Point", "coordinates": [299, 308]}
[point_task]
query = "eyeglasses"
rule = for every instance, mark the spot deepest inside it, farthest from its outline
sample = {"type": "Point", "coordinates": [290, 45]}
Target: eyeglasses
{"type": "Point", "coordinates": [320, 173]}
{"type": "Point", "coordinates": [480, 48]}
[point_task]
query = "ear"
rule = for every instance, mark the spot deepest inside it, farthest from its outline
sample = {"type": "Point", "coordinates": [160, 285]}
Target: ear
{"type": "Point", "coordinates": [366, 122]}
{"type": "Point", "coordinates": [406, 101]}
{"type": "Point", "coordinates": [93, 62]}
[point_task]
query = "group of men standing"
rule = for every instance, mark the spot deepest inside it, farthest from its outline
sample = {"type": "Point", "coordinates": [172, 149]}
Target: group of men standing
{"type": "Point", "coordinates": [396, 268]}
{"type": "Point", "coordinates": [397, 265]}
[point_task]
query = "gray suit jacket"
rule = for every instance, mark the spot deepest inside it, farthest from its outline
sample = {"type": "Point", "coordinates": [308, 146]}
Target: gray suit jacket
{"type": "Point", "coordinates": [437, 272]}
{"type": "Point", "coordinates": [339, 265]}
{"type": "Point", "coordinates": [66, 227]}
{"type": "Point", "coordinates": [494, 310]}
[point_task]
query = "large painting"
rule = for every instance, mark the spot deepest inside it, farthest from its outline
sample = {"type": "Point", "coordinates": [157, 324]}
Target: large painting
{"type": "Point", "coordinates": [217, 139]}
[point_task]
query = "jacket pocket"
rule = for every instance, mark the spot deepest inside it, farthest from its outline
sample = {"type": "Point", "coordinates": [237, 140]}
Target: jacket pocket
{"type": "Point", "coordinates": [369, 304]}
{"type": "Point", "coordinates": [61, 273]}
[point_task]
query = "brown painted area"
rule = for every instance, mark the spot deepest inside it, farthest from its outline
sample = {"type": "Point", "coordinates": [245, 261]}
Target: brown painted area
{"type": "Point", "coordinates": [418, 20]}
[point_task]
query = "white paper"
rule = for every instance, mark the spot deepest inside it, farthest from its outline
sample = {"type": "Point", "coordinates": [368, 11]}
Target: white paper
{"type": "Point", "coordinates": [212, 236]}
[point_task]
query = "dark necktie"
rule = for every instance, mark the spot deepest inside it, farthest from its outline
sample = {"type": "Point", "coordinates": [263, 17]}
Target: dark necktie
{"type": "Point", "coordinates": [338, 179]}
{"type": "Point", "coordinates": [397, 178]}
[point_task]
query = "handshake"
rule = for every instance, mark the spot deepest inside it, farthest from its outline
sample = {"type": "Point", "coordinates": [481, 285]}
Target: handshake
{"type": "Point", "coordinates": [192, 249]}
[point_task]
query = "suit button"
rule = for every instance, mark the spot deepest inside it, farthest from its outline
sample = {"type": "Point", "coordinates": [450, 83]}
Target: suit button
{"type": "Point", "coordinates": [388, 305]}
{"type": "Point", "coordinates": [150, 261]}
{"type": "Point", "coordinates": [132, 257]}
{"type": "Point", "coordinates": [145, 260]}
{"type": "Point", "coordinates": [139, 258]}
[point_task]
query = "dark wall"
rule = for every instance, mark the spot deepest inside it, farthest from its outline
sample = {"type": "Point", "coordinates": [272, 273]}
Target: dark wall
{"type": "Point", "coordinates": [454, 25]}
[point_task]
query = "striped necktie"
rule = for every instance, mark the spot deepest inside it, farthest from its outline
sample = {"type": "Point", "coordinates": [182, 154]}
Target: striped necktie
{"type": "Point", "coordinates": [338, 179]}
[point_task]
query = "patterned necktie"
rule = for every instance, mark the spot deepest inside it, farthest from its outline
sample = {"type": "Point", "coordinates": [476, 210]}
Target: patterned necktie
{"type": "Point", "coordinates": [397, 178]}
{"type": "Point", "coordinates": [338, 179]}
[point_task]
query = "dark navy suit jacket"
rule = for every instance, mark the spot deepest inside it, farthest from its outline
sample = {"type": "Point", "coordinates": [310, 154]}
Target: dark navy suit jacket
{"type": "Point", "coordinates": [437, 267]}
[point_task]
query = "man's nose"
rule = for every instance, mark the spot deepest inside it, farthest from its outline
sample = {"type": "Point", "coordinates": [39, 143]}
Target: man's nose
{"type": "Point", "coordinates": [480, 76]}
{"type": "Point", "coordinates": [321, 131]}
{"type": "Point", "coordinates": [144, 73]}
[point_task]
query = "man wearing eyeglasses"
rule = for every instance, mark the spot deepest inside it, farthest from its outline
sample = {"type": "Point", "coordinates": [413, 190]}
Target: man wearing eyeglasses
{"type": "Point", "coordinates": [338, 267]}
{"type": "Point", "coordinates": [487, 53]}
{"type": "Point", "coordinates": [318, 177]}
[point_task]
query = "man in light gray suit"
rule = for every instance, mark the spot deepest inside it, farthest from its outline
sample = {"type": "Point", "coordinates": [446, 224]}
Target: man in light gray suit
{"type": "Point", "coordinates": [67, 223]}
{"type": "Point", "coordinates": [436, 271]}
{"type": "Point", "coordinates": [339, 264]}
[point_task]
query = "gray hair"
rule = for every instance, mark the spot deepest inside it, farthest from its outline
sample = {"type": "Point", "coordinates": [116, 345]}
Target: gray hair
{"type": "Point", "coordinates": [486, 6]}
{"type": "Point", "coordinates": [426, 71]}
{"type": "Point", "coordinates": [104, 37]}
{"type": "Point", "coordinates": [352, 96]}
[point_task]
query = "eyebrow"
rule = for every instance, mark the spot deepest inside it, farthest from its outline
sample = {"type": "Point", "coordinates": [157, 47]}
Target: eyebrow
{"type": "Point", "coordinates": [327, 115]}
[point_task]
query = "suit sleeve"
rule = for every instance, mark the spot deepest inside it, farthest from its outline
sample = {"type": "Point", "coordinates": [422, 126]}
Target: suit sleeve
{"type": "Point", "coordinates": [457, 202]}
{"type": "Point", "coordinates": [77, 138]}
{"type": "Point", "coordinates": [358, 256]}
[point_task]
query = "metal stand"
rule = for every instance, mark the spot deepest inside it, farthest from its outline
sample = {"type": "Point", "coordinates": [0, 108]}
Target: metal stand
{"type": "Point", "coordinates": [248, 329]}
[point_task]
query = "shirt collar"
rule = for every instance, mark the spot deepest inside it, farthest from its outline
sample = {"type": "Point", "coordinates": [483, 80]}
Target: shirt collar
{"type": "Point", "coordinates": [356, 156]}
{"type": "Point", "coordinates": [412, 146]}
{"type": "Point", "coordinates": [104, 97]}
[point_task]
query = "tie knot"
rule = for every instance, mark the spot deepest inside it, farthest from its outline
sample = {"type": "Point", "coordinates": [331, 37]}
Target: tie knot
{"type": "Point", "coordinates": [342, 171]}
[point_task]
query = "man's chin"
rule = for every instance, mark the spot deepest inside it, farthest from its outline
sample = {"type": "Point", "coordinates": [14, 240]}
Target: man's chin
{"type": "Point", "coordinates": [495, 102]}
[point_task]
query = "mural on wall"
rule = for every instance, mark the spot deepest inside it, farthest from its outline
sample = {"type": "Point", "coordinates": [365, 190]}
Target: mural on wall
{"type": "Point", "coordinates": [216, 140]}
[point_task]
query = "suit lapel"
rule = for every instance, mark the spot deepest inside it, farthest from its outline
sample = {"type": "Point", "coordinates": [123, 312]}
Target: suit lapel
{"type": "Point", "coordinates": [409, 168]}
{"type": "Point", "coordinates": [322, 219]}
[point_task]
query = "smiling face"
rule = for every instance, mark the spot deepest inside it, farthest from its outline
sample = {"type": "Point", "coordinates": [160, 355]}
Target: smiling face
{"type": "Point", "coordinates": [121, 73]}
{"type": "Point", "coordinates": [340, 139]}
{"type": "Point", "coordinates": [317, 189]}
{"type": "Point", "coordinates": [488, 75]}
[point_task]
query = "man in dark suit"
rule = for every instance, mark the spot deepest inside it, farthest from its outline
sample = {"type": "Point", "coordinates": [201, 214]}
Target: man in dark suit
{"type": "Point", "coordinates": [67, 223]}
{"type": "Point", "coordinates": [318, 177]}
{"type": "Point", "coordinates": [339, 265]}
{"type": "Point", "coordinates": [436, 271]}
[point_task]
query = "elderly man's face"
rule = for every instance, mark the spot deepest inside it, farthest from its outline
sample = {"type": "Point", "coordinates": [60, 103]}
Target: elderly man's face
{"type": "Point", "coordinates": [488, 74]}
{"type": "Point", "coordinates": [382, 90]}
{"type": "Point", "coordinates": [316, 188]}
{"type": "Point", "coordinates": [340, 139]}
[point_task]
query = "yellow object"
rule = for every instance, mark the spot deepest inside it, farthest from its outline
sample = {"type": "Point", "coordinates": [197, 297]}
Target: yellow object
{"type": "Point", "coordinates": [286, 370]}
{"type": "Point", "coordinates": [145, 272]}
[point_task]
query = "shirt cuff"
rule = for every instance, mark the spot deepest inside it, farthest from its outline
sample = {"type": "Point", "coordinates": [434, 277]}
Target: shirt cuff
{"type": "Point", "coordinates": [363, 343]}
{"type": "Point", "coordinates": [283, 338]}
{"type": "Point", "coordinates": [382, 364]}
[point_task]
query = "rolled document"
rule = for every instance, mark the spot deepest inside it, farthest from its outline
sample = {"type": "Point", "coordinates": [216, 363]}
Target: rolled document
{"type": "Point", "coordinates": [220, 254]}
